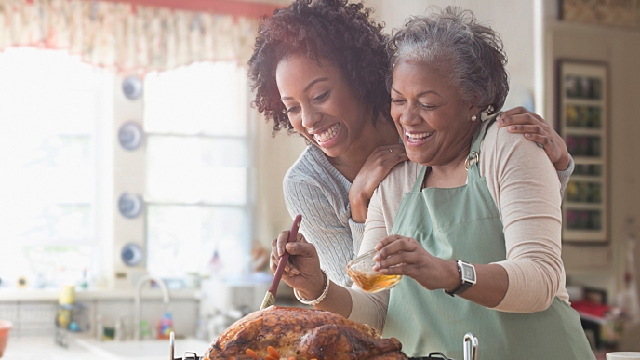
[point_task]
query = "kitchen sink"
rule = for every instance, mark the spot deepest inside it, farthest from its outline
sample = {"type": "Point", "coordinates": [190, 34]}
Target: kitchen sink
{"type": "Point", "coordinates": [142, 349]}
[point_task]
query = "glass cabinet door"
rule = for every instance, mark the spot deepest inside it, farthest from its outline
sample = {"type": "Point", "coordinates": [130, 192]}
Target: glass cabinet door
{"type": "Point", "coordinates": [583, 125]}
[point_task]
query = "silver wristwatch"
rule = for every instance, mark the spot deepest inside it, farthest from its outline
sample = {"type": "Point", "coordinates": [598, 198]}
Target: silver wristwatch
{"type": "Point", "coordinates": [467, 278]}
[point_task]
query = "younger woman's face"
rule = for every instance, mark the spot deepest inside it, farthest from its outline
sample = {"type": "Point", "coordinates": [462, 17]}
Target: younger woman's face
{"type": "Point", "coordinates": [433, 120]}
{"type": "Point", "coordinates": [320, 103]}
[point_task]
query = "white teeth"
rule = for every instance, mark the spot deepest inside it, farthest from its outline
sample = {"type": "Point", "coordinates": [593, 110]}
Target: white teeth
{"type": "Point", "coordinates": [328, 134]}
{"type": "Point", "coordinates": [418, 136]}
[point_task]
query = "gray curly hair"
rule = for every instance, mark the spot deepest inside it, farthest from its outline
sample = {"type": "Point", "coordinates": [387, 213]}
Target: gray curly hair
{"type": "Point", "coordinates": [471, 52]}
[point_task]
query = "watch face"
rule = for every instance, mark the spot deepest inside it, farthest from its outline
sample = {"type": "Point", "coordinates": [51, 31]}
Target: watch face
{"type": "Point", "coordinates": [468, 272]}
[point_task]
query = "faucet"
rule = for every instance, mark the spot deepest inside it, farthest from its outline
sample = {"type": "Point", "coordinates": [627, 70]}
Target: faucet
{"type": "Point", "coordinates": [138, 310]}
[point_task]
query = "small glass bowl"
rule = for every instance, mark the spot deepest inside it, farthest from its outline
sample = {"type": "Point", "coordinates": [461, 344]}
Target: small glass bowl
{"type": "Point", "coordinates": [361, 271]}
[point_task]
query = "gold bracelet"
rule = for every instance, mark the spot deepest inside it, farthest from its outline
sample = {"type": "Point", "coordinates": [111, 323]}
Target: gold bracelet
{"type": "Point", "coordinates": [320, 298]}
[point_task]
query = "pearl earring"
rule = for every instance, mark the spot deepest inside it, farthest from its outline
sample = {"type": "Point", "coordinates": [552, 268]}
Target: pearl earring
{"type": "Point", "coordinates": [473, 118]}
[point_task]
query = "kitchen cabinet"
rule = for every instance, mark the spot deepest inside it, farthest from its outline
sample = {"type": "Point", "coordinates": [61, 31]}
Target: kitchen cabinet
{"type": "Point", "coordinates": [583, 124]}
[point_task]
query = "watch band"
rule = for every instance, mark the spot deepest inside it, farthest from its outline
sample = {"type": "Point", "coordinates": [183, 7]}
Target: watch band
{"type": "Point", "coordinates": [464, 284]}
{"type": "Point", "coordinates": [459, 290]}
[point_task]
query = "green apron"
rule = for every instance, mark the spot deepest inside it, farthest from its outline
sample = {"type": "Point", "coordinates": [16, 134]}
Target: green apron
{"type": "Point", "coordinates": [464, 223]}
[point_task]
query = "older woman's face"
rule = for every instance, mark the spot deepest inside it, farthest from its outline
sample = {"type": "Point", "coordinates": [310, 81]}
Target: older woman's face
{"type": "Point", "coordinates": [430, 115]}
{"type": "Point", "coordinates": [320, 103]}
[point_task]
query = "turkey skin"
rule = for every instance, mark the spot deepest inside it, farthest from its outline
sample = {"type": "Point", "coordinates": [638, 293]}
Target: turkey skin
{"type": "Point", "coordinates": [303, 334]}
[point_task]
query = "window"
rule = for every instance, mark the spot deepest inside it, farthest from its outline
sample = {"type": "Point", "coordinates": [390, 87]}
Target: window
{"type": "Point", "coordinates": [198, 178]}
{"type": "Point", "coordinates": [57, 143]}
{"type": "Point", "coordinates": [51, 107]}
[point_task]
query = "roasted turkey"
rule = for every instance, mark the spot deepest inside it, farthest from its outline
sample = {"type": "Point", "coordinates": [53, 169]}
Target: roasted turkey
{"type": "Point", "coordinates": [304, 335]}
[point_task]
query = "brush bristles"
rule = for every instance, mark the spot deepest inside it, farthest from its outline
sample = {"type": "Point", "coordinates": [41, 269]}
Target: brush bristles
{"type": "Point", "coordinates": [268, 300]}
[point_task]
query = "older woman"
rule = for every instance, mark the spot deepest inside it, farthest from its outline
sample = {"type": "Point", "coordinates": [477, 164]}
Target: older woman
{"type": "Point", "coordinates": [480, 218]}
{"type": "Point", "coordinates": [319, 68]}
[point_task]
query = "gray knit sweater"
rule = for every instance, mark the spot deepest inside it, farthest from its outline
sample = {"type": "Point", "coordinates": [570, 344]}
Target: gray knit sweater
{"type": "Point", "coordinates": [316, 190]}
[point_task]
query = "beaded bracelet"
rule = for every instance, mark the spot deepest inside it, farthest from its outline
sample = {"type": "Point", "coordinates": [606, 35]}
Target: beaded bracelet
{"type": "Point", "coordinates": [320, 298]}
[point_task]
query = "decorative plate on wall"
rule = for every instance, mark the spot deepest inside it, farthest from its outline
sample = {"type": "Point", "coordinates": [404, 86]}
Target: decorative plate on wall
{"type": "Point", "coordinates": [130, 136]}
{"type": "Point", "coordinates": [131, 254]}
{"type": "Point", "coordinates": [132, 87]}
{"type": "Point", "coordinates": [130, 205]}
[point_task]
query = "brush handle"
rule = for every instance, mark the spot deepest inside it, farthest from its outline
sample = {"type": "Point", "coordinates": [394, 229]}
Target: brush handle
{"type": "Point", "coordinates": [285, 257]}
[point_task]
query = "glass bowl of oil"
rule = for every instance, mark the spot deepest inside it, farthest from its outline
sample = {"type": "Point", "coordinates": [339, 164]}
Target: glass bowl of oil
{"type": "Point", "coordinates": [361, 271]}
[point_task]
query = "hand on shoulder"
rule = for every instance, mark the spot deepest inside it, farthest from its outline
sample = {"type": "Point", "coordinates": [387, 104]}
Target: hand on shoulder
{"type": "Point", "coordinates": [534, 128]}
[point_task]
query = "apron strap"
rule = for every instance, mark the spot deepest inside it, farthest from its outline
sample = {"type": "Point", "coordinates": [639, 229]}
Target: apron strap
{"type": "Point", "coordinates": [417, 186]}
{"type": "Point", "coordinates": [471, 163]}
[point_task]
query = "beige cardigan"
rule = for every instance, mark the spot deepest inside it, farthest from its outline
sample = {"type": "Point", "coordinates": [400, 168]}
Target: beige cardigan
{"type": "Point", "coordinates": [526, 189]}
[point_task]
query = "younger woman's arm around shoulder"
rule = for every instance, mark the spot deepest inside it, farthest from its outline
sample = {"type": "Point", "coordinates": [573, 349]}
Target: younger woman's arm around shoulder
{"type": "Point", "coordinates": [535, 128]}
{"type": "Point", "coordinates": [376, 168]}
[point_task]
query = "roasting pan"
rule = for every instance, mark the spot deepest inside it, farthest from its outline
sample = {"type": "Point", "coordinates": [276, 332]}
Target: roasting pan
{"type": "Point", "coordinates": [469, 349]}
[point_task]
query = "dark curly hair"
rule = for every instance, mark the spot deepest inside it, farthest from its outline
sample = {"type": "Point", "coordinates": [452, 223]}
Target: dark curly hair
{"type": "Point", "coordinates": [329, 30]}
{"type": "Point", "coordinates": [471, 52]}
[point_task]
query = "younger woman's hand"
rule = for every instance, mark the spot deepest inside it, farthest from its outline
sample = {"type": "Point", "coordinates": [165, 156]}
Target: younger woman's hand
{"type": "Point", "coordinates": [302, 271]}
{"type": "Point", "coordinates": [376, 168]}
{"type": "Point", "coordinates": [520, 121]}
{"type": "Point", "coordinates": [405, 256]}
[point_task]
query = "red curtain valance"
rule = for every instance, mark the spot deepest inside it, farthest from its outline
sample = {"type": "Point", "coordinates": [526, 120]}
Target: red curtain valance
{"type": "Point", "coordinates": [131, 37]}
{"type": "Point", "coordinates": [231, 7]}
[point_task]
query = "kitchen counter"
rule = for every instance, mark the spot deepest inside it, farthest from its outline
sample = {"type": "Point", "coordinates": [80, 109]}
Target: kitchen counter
{"type": "Point", "coordinates": [42, 348]}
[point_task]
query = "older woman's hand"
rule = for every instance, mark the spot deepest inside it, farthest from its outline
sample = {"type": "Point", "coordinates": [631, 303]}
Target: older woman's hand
{"type": "Point", "coordinates": [520, 121]}
{"type": "Point", "coordinates": [376, 168]}
{"type": "Point", "coordinates": [405, 256]}
{"type": "Point", "coordinates": [303, 269]}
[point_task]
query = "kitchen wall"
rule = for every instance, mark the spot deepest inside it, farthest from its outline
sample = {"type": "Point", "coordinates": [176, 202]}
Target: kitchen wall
{"type": "Point", "coordinates": [619, 48]}
{"type": "Point", "coordinates": [513, 20]}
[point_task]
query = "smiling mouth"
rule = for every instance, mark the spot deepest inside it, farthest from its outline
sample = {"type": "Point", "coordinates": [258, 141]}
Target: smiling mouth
{"type": "Point", "coordinates": [418, 137]}
{"type": "Point", "coordinates": [328, 134]}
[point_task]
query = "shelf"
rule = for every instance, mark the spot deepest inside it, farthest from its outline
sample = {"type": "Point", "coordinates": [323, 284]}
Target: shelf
{"type": "Point", "coordinates": [584, 237]}
{"type": "Point", "coordinates": [588, 160]}
{"type": "Point", "coordinates": [583, 206]}
{"type": "Point", "coordinates": [584, 102]}
{"type": "Point", "coordinates": [589, 178]}
{"type": "Point", "coordinates": [584, 131]}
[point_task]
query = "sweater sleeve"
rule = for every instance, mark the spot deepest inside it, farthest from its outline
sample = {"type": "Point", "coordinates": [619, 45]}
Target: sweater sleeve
{"type": "Point", "coordinates": [529, 203]}
{"type": "Point", "coordinates": [321, 227]}
{"type": "Point", "coordinates": [357, 232]}
{"type": "Point", "coordinates": [564, 175]}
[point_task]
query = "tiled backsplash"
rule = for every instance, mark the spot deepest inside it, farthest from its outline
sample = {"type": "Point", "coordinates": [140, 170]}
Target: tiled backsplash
{"type": "Point", "coordinates": [37, 318]}
{"type": "Point", "coordinates": [30, 318]}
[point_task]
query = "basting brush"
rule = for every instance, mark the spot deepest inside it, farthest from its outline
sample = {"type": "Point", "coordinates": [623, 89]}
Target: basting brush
{"type": "Point", "coordinates": [270, 296]}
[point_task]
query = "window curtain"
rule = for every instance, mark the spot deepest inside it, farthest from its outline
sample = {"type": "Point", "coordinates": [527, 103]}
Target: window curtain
{"type": "Point", "coordinates": [612, 12]}
{"type": "Point", "coordinates": [126, 37]}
